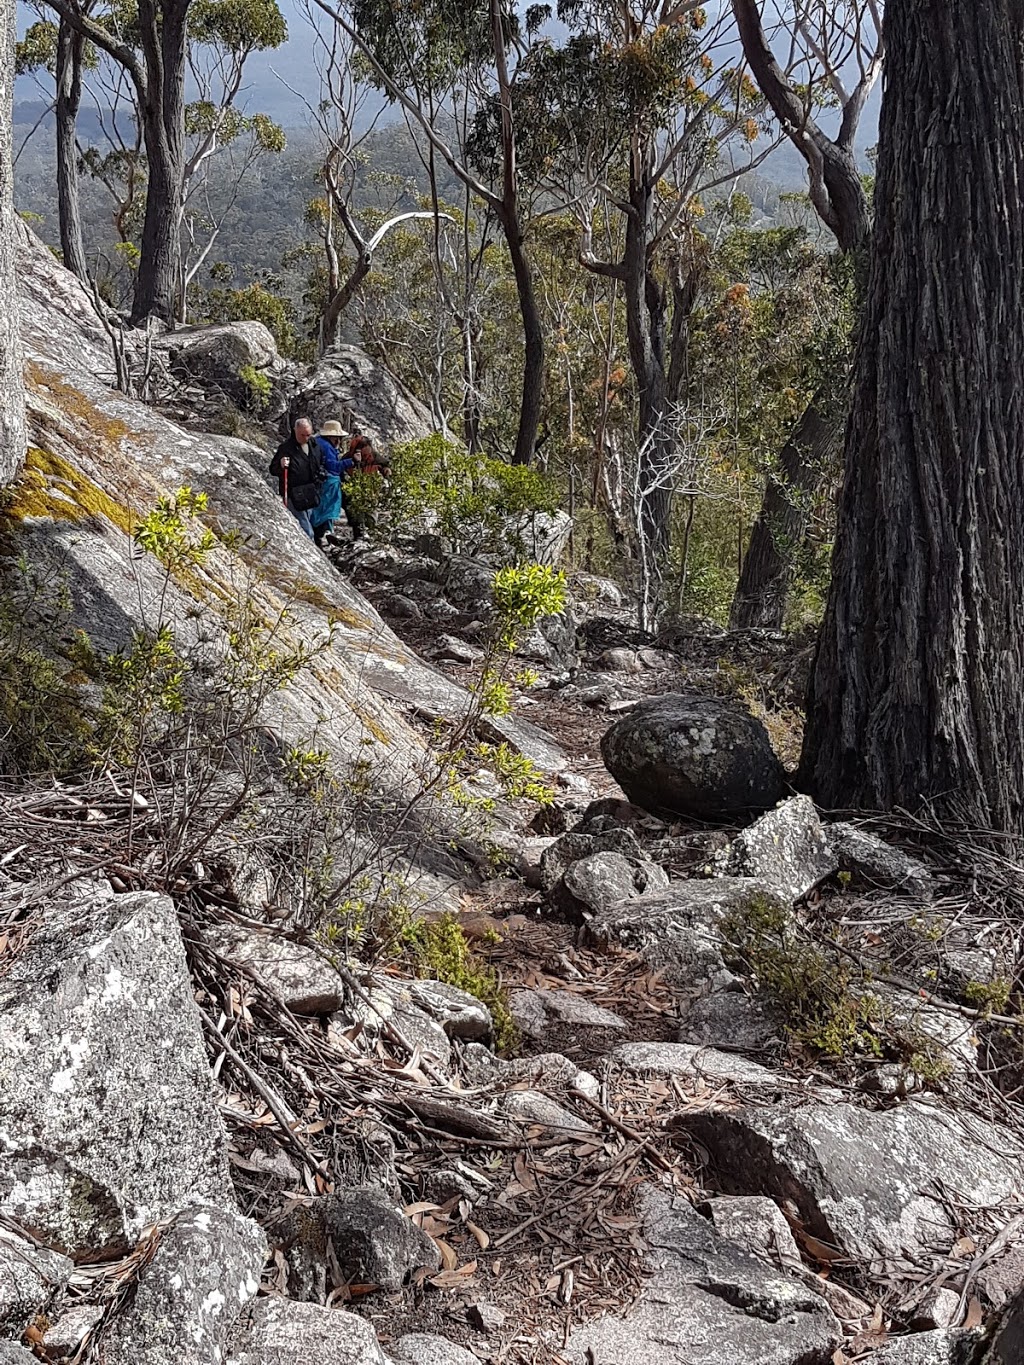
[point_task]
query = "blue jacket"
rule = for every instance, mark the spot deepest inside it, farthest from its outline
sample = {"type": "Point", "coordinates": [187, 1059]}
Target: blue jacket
{"type": "Point", "coordinates": [332, 460]}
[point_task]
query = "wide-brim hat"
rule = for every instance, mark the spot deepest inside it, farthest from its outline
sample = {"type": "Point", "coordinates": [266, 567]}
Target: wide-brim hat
{"type": "Point", "coordinates": [333, 429]}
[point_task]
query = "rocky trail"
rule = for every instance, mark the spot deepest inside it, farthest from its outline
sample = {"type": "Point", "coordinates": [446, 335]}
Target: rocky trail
{"type": "Point", "coordinates": [719, 1078]}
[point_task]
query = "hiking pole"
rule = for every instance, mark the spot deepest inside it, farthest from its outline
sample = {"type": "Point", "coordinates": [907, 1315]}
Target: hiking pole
{"type": "Point", "coordinates": [284, 465]}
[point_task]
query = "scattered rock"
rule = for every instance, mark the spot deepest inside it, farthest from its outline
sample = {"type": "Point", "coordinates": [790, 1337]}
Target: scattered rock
{"type": "Point", "coordinates": [391, 1003]}
{"type": "Point", "coordinates": [732, 1019]}
{"type": "Point", "coordinates": [62, 1338]}
{"type": "Point", "coordinates": [205, 1269]}
{"type": "Point", "coordinates": [787, 850]}
{"type": "Point", "coordinates": [591, 587]}
{"type": "Point", "coordinates": [877, 863]}
{"type": "Point", "coordinates": [863, 1180]}
{"type": "Point", "coordinates": [485, 1317]}
{"type": "Point", "coordinates": [535, 1012]}
{"type": "Point", "coordinates": [1001, 1280]}
{"type": "Point", "coordinates": [458, 651]}
{"type": "Point", "coordinates": [694, 755]}
{"type": "Point", "coordinates": [32, 1280]}
{"type": "Point", "coordinates": [547, 1070]}
{"type": "Point", "coordinates": [938, 1309]}
{"type": "Point", "coordinates": [109, 1119]}
{"type": "Point", "coordinates": [572, 848]}
{"type": "Point", "coordinates": [282, 1332]}
{"type": "Point", "coordinates": [300, 976]}
{"type": "Point", "coordinates": [602, 880]}
{"type": "Point", "coordinates": [530, 1106]}
{"type": "Point", "coordinates": [679, 1059]}
{"type": "Point", "coordinates": [757, 1224]}
{"type": "Point", "coordinates": [620, 661]}
{"type": "Point", "coordinates": [460, 1014]}
{"type": "Point", "coordinates": [528, 858]}
{"type": "Point", "coordinates": [404, 608]}
{"type": "Point", "coordinates": [677, 929]}
{"type": "Point", "coordinates": [373, 1241]}
{"type": "Point", "coordinates": [12, 1354]}
{"type": "Point", "coordinates": [708, 1302]}
{"type": "Point", "coordinates": [422, 1349]}
{"type": "Point", "coordinates": [931, 1348]}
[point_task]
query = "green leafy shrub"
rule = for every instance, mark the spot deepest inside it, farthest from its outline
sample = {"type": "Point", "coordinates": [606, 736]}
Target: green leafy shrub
{"type": "Point", "coordinates": [469, 498]}
{"type": "Point", "coordinates": [438, 950]}
{"type": "Point", "coordinates": [258, 388]}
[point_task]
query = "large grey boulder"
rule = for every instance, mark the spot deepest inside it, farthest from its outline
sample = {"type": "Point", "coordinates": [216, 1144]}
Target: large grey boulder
{"type": "Point", "coordinates": [864, 1180]}
{"type": "Point", "coordinates": [559, 856]}
{"type": "Point", "coordinates": [13, 1354]}
{"type": "Point", "coordinates": [107, 1113]}
{"type": "Point", "coordinates": [205, 1269]}
{"type": "Point", "coordinates": [694, 755]}
{"type": "Point", "coordinates": [1007, 1342]}
{"type": "Point", "coordinates": [787, 849]}
{"type": "Point", "coordinates": [12, 390]}
{"type": "Point", "coordinates": [32, 1280]}
{"type": "Point", "coordinates": [733, 1019]}
{"type": "Point", "coordinates": [214, 358]}
{"type": "Point", "coordinates": [283, 1332]}
{"type": "Point", "coordinates": [349, 385]}
{"type": "Point", "coordinates": [709, 1302]}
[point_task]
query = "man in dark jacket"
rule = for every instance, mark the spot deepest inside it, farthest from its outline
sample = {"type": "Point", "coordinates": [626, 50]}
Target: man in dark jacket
{"type": "Point", "coordinates": [297, 467]}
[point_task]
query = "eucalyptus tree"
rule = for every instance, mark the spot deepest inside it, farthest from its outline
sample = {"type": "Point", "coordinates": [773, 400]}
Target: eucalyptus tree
{"type": "Point", "coordinates": [835, 56]}
{"type": "Point", "coordinates": [917, 687]}
{"type": "Point", "coordinates": [438, 60]}
{"type": "Point", "coordinates": [155, 45]}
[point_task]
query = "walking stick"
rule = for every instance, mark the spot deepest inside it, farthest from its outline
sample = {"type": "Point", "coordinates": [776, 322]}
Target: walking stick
{"type": "Point", "coordinates": [284, 466]}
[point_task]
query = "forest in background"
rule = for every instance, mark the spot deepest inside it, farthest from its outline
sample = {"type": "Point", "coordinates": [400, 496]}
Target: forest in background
{"type": "Point", "coordinates": [766, 312]}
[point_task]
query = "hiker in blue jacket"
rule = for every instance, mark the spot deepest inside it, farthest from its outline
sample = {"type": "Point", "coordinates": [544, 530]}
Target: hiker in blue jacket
{"type": "Point", "coordinates": [332, 438]}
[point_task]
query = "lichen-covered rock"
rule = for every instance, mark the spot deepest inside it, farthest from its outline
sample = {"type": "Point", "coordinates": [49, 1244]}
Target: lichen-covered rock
{"type": "Point", "coordinates": [864, 1180]}
{"type": "Point", "coordinates": [932, 1348]}
{"type": "Point", "coordinates": [693, 755]}
{"type": "Point", "coordinates": [13, 1354]}
{"type": "Point", "coordinates": [221, 358]}
{"type": "Point", "coordinates": [372, 1241]}
{"type": "Point", "coordinates": [708, 1302]}
{"type": "Point", "coordinates": [601, 880]}
{"type": "Point", "coordinates": [107, 1115]}
{"type": "Point", "coordinates": [556, 860]}
{"type": "Point", "coordinates": [678, 929]}
{"type": "Point", "coordinates": [696, 1063]}
{"type": "Point", "coordinates": [205, 1269]}
{"type": "Point", "coordinates": [732, 1019]}
{"type": "Point", "coordinates": [283, 1332]}
{"type": "Point", "coordinates": [537, 1012]}
{"type": "Point", "coordinates": [420, 1348]}
{"type": "Point", "coordinates": [350, 386]}
{"type": "Point", "coordinates": [32, 1279]}
{"type": "Point", "coordinates": [303, 979]}
{"type": "Point", "coordinates": [533, 1107]}
{"type": "Point", "coordinates": [756, 1224]}
{"type": "Point", "coordinates": [786, 849]}
{"type": "Point", "coordinates": [392, 1003]}
{"type": "Point", "coordinates": [1007, 1344]}
{"type": "Point", "coordinates": [460, 1014]}
{"type": "Point", "coordinates": [876, 863]}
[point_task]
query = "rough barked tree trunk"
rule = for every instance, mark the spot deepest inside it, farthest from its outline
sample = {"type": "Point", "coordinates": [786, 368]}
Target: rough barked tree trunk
{"type": "Point", "coordinates": [162, 108]}
{"type": "Point", "coordinates": [12, 391]}
{"type": "Point", "coordinates": [70, 46]}
{"type": "Point", "coordinates": [769, 565]}
{"type": "Point", "coordinates": [917, 691]}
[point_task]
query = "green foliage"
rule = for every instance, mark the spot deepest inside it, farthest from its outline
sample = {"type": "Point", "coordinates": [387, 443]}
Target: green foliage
{"type": "Point", "coordinates": [815, 993]}
{"type": "Point", "coordinates": [523, 596]}
{"type": "Point", "coordinates": [470, 498]}
{"type": "Point", "coordinates": [439, 951]}
{"type": "Point", "coordinates": [519, 775]}
{"type": "Point", "coordinates": [258, 388]}
{"type": "Point", "coordinates": [38, 49]}
{"type": "Point", "coordinates": [167, 531]}
{"type": "Point", "coordinates": [990, 997]}
{"type": "Point", "coordinates": [252, 303]}
{"type": "Point", "coordinates": [238, 26]}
